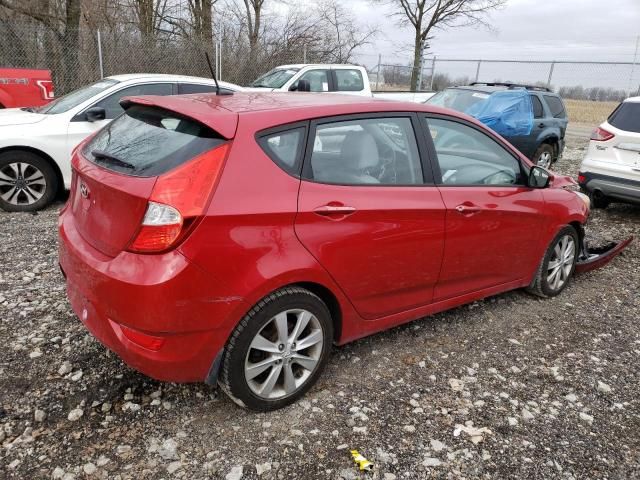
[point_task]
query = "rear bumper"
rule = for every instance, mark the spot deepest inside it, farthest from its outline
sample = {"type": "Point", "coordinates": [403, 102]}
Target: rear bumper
{"type": "Point", "coordinates": [160, 295]}
{"type": "Point", "coordinates": [619, 188]}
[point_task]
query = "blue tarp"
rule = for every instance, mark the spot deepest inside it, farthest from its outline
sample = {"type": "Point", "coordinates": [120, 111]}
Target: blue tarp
{"type": "Point", "coordinates": [509, 113]}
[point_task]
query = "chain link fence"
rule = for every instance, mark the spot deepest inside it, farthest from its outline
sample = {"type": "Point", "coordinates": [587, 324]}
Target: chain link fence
{"type": "Point", "coordinates": [80, 57]}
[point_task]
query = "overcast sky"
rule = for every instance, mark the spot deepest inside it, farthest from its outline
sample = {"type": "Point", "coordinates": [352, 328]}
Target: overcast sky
{"type": "Point", "coordinates": [525, 29]}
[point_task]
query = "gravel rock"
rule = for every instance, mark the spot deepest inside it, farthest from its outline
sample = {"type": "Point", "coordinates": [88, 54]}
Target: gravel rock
{"type": "Point", "coordinates": [603, 387]}
{"type": "Point", "coordinates": [75, 414]}
{"type": "Point", "coordinates": [235, 473]}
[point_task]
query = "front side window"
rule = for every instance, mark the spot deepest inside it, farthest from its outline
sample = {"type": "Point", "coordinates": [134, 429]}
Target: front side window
{"type": "Point", "coordinates": [318, 80]}
{"type": "Point", "coordinates": [75, 98]}
{"type": "Point", "coordinates": [376, 151]}
{"type": "Point", "coordinates": [556, 106]}
{"type": "Point", "coordinates": [349, 80]}
{"type": "Point", "coordinates": [111, 104]}
{"type": "Point", "coordinates": [467, 156]}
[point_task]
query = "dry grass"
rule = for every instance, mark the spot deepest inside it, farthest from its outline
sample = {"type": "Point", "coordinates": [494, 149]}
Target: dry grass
{"type": "Point", "coordinates": [588, 112]}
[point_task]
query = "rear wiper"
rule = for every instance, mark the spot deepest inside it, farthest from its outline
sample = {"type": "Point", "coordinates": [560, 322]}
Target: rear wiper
{"type": "Point", "coordinates": [112, 158]}
{"type": "Point", "coordinates": [28, 109]}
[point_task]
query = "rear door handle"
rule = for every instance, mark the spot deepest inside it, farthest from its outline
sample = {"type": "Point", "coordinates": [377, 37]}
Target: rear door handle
{"type": "Point", "coordinates": [334, 210]}
{"type": "Point", "coordinates": [468, 209]}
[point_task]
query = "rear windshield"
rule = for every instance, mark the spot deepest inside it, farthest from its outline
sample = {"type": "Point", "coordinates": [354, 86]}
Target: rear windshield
{"type": "Point", "coordinates": [149, 141]}
{"type": "Point", "coordinates": [458, 98]}
{"type": "Point", "coordinates": [626, 117]}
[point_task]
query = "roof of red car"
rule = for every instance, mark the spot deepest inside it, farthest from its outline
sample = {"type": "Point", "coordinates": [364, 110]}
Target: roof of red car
{"type": "Point", "coordinates": [221, 112]}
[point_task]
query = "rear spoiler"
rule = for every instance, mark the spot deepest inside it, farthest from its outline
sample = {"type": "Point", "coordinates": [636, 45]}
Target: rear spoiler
{"type": "Point", "coordinates": [223, 121]}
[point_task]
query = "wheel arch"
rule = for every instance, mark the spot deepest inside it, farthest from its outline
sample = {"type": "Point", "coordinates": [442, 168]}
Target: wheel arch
{"type": "Point", "coordinates": [330, 300]}
{"type": "Point", "coordinates": [44, 156]}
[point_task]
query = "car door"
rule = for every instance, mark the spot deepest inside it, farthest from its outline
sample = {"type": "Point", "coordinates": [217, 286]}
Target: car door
{"type": "Point", "coordinates": [80, 128]}
{"type": "Point", "coordinates": [368, 212]}
{"type": "Point", "coordinates": [493, 219]}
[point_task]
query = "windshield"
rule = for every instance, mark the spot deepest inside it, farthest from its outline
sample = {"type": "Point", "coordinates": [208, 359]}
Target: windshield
{"type": "Point", "coordinates": [457, 99]}
{"type": "Point", "coordinates": [276, 78]}
{"type": "Point", "coordinates": [70, 100]}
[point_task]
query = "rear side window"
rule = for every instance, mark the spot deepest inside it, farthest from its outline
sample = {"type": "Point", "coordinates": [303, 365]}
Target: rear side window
{"type": "Point", "coordinates": [372, 151]}
{"type": "Point", "coordinates": [626, 117]}
{"type": "Point", "coordinates": [284, 148]}
{"type": "Point", "coordinates": [349, 80]}
{"type": "Point", "coordinates": [149, 141]}
{"type": "Point", "coordinates": [556, 106]}
{"type": "Point", "coordinates": [188, 88]}
{"type": "Point", "coordinates": [538, 111]}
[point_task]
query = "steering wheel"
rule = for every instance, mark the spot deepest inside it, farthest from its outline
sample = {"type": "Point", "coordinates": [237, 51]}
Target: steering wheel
{"type": "Point", "coordinates": [387, 166]}
{"type": "Point", "coordinates": [501, 177]}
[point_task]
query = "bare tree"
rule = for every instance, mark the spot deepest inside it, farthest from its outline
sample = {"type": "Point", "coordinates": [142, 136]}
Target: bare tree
{"type": "Point", "coordinates": [149, 15]}
{"type": "Point", "coordinates": [253, 10]}
{"type": "Point", "coordinates": [341, 33]}
{"type": "Point", "coordinates": [427, 15]}
{"type": "Point", "coordinates": [201, 15]}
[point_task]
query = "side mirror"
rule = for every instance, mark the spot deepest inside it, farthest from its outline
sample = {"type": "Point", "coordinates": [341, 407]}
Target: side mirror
{"type": "Point", "coordinates": [539, 178]}
{"type": "Point", "coordinates": [95, 114]}
{"type": "Point", "coordinates": [302, 86]}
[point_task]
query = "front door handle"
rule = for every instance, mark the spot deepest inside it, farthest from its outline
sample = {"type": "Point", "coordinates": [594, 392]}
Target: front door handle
{"type": "Point", "coordinates": [334, 209]}
{"type": "Point", "coordinates": [468, 209]}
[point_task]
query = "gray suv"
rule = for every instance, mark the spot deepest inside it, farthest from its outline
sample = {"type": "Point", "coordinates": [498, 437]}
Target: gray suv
{"type": "Point", "coordinates": [545, 143]}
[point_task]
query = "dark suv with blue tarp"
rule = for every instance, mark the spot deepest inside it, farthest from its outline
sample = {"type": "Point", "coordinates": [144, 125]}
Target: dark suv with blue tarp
{"type": "Point", "coordinates": [533, 119]}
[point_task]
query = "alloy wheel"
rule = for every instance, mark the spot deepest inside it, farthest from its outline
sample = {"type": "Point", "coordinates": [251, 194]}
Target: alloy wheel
{"type": "Point", "coordinates": [21, 183]}
{"type": "Point", "coordinates": [544, 160]}
{"type": "Point", "coordinates": [561, 262]}
{"type": "Point", "coordinates": [284, 354]}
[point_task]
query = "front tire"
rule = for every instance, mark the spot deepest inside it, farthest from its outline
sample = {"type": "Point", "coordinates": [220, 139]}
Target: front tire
{"type": "Point", "coordinates": [558, 264]}
{"type": "Point", "coordinates": [27, 181]}
{"type": "Point", "coordinates": [278, 350]}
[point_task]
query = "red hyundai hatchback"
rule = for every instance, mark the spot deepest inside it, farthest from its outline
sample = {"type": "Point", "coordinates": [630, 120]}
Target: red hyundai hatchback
{"type": "Point", "coordinates": [234, 239]}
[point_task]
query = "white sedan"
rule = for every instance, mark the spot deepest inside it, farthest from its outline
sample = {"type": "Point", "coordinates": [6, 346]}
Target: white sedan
{"type": "Point", "coordinates": [36, 143]}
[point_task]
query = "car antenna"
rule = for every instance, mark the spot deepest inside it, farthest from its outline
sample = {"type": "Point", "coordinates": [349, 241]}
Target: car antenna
{"type": "Point", "coordinates": [213, 74]}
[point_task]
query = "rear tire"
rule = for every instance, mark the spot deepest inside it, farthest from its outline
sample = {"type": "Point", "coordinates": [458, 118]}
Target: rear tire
{"type": "Point", "coordinates": [599, 200]}
{"type": "Point", "coordinates": [558, 264]}
{"type": "Point", "coordinates": [278, 350]}
{"type": "Point", "coordinates": [27, 181]}
{"type": "Point", "coordinates": [544, 156]}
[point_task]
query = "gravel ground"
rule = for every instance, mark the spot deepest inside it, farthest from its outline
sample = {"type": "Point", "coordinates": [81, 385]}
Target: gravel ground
{"type": "Point", "coordinates": [510, 387]}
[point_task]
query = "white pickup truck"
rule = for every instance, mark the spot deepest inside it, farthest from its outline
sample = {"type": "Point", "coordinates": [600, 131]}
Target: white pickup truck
{"type": "Point", "coordinates": [338, 78]}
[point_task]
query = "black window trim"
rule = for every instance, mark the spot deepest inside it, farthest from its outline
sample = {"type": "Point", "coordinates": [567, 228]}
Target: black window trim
{"type": "Point", "coordinates": [80, 116]}
{"type": "Point", "coordinates": [435, 165]}
{"type": "Point", "coordinates": [262, 136]}
{"type": "Point", "coordinates": [423, 151]}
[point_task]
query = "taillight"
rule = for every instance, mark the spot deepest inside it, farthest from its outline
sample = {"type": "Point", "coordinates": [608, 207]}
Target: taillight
{"type": "Point", "coordinates": [178, 199]}
{"type": "Point", "coordinates": [46, 89]}
{"type": "Point", "coordinates": [601, 135]}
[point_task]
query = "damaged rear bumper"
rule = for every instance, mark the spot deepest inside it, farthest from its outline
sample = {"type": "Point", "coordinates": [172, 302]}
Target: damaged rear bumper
{"type": "Point", "coordinates": [592, 258]}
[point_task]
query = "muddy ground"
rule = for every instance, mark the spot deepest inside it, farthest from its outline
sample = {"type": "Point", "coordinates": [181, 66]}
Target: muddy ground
{"type": "Point", "coordinates": [509, 387]}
